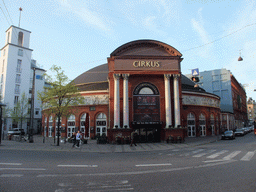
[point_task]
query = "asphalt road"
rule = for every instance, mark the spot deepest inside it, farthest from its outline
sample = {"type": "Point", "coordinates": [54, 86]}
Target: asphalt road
{"type": "Point", "coordinates": [227, 165]}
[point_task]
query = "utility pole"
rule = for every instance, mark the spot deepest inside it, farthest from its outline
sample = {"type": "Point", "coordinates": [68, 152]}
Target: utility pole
{"type": "Point", "coordinates": [1, 122]}
{"type": "Point", "coordinates": [31, 124]}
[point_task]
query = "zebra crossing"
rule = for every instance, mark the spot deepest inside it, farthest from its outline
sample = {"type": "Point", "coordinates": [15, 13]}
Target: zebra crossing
{"type": "Point", "coordinates": [220, 154]}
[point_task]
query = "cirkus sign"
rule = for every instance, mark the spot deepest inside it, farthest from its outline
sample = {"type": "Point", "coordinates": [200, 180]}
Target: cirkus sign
{"type": "Point", "coordinates": [146, 64]}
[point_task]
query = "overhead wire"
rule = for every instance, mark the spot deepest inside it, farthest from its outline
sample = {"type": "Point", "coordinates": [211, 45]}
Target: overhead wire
{"type": "Point", "coordinates": [5, 16]}
{"type": "Point", "coordinates": [7, 12]}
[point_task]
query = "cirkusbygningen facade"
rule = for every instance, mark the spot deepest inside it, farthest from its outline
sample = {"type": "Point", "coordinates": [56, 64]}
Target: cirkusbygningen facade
{"type": "Point", "coordinates": [140, 88]}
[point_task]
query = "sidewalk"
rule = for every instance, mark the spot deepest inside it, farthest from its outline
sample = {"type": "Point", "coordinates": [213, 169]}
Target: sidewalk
{"type": "Point", "coordinates": [92, 145]}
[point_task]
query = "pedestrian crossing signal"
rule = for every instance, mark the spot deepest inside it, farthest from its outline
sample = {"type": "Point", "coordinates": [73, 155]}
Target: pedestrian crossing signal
{"type": "Point", "coordinates": [195, 79]}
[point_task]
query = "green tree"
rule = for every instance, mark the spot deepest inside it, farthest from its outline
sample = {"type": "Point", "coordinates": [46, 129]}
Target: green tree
{"type": "Point", "coordinates": [20, 111]}
{"type": "Point", "coordinates": [59, 96]}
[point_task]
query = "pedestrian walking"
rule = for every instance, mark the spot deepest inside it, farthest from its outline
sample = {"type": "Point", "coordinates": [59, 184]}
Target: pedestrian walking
{"type": "Point", "coordinates": [133, 138]}
{"type": "Point", "coordinates": [73, 139]}
{"type": "Point", "coordinates": [78, 138]}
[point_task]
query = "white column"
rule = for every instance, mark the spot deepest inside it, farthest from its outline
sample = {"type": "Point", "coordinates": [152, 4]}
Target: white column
{"type": "Point", "coordinates": [176, 100]}
{"type": "Point", "coordinates": [125, 101]}
{"type": "Point", "coordinates": [116, 101]}
{"type": "Point", "coordinates": [168, 107]}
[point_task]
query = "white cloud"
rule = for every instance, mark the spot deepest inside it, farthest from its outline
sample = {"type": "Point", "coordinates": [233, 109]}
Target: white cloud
{"type": "Point", "coordinates": [154, 16]}
{"type": "Point", "coordinates": [90, 15]}
{"type": "Point", "coordinates": [202, 33]}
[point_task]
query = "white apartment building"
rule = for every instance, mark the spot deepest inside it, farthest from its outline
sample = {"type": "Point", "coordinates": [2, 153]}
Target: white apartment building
{"type": "Point", "coordinates": [16, 72]}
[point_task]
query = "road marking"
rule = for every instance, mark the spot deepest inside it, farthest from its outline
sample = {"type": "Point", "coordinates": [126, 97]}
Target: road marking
{"type": "Point", "coordinates": [138, 172]}
{"type": "Point", "coordinates": [152, 165]}
{"type": "Point", "coordinates": [216, 154]}
{"type": "Point", "coordinates": [202, 154]}
{"type": "Point", "coordinates": [248, 156]}
{"type": "Point", "coordinates": [231, 155]}
{"type": "Point", "coordinates": [218, 160]}
{"type": "Point", "coordinates": [11, 175]}
{"type": "Point", "coordinates": [78, 166]}
{"type": "Point", "coordinates": [10, 163]}
{"type": "Point", "coordinates": [196, 151]}
{"type": "Point", "coordinates": [24, 169]}
{"type": "Point", "coordinates": [175, 150]}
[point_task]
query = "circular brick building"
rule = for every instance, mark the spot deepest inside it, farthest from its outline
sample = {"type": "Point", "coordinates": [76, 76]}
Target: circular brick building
{"type": "Point", "coordinates": [140, 88]}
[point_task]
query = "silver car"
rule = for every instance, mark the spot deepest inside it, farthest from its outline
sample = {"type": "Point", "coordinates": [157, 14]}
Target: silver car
{"type": "Point", "coordinates": [239, 132]}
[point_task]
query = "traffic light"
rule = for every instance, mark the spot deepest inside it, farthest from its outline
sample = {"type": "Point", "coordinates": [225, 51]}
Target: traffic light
{"type": "Point", "coordinates": [195, 79]}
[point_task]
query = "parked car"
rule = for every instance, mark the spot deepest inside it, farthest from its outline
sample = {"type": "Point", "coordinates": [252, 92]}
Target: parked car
{"type": "Point", "coordinates": [239, 132]}
{"type": "Point", "coordinates": [228, 135]}
{"type": "Point", "coordinates": [16, 131]}
{"type": "Point", "coordinates": [245, 130]}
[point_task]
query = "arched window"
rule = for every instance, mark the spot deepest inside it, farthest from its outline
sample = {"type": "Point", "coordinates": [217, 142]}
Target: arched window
{"type": "Point", "coordinates": [191, 122]}
{"type": "Point", "coordinates": [202, 124]}
{"type": "Point", "coordinates": [101, 124]}
{"type": "Point", "coordinates": [145, 100]}
{"type": "Point", "coordinates": [20, 39]}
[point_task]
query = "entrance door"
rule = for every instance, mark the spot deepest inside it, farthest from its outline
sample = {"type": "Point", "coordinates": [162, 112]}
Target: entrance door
{"type": "Point", "coordinates": [202, 124]}
{"type": "Point", "coordinates": [148, 134]}
{"type": "Point", "coordinates": [191, 121]}
{"type": "Point", "coordinates": [191, 131]}
{"type": "Point", "coordinates": [101, 130]}
{"type": "Point", "coordinates": [202, 130]}
{"type": "Point", "coordinates": [101, 125]}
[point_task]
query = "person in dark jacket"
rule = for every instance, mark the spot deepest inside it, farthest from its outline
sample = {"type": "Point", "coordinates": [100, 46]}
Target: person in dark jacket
{"type": "Point", "coordinates": [74, 139]}
{"type": "Point", "coordinates": [133, 138]}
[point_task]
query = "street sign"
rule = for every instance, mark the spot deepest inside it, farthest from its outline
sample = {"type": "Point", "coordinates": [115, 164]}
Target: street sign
{"type": "Point", "coordinates": [195, 72]}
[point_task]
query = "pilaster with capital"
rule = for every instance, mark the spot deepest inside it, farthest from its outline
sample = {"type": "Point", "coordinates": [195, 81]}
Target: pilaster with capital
{"type": "Point", "coordinates": [176, 99]}
{"type": "Point", "coordinates": [168, 107]}
{"type": "Point", "coordinates": [116, 100]}
{"type": "Point", "coordinates": [125, 101]}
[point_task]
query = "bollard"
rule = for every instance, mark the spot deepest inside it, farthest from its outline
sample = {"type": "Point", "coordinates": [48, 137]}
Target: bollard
{"type": "Point", "coordinates": [44, 140]}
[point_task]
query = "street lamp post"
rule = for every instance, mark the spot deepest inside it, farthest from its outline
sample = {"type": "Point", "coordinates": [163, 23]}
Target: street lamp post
{"type": "Point", "coordinates": [1, 122]}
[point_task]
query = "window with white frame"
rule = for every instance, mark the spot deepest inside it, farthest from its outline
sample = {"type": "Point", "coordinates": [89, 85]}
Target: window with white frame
{"type": "Point", "coordinates": [2, 78]}
{"type": "Point", "coordinates": [16, 99]}
{"type": "Point", "coordinates": [19, 62]}
{"type": "Point", "coordinates": [20, 52]}
{"type": "Point", "coordinates": [18, 80]}
{"type": "Point", "coordinates": [17, 89]}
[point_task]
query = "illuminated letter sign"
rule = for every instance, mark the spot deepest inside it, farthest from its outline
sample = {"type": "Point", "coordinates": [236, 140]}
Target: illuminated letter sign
{"type": "Point", "coordinates": [146, 64]}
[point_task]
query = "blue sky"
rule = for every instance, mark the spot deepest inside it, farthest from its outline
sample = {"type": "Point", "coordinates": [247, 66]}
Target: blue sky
{"type": "Point", "coordinates": [80, 34]}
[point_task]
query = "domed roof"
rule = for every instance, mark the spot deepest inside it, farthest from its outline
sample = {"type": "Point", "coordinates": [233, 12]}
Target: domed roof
{"type": "Point", "coordinates": [97, 79]}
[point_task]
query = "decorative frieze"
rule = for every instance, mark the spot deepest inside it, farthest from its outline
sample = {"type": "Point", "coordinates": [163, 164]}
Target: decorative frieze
{"type": "Point", "coordinates": [201, 101]}
{"type": "Point", "coordinates": [96, 100]}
